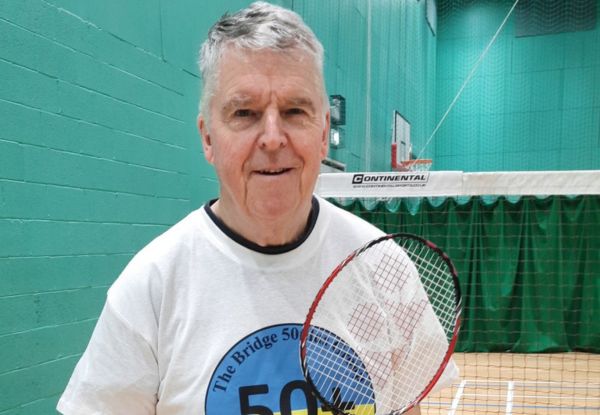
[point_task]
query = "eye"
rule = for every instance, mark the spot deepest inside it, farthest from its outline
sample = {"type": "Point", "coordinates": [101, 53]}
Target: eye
{"type": "Point", "coordinates": [295, 111]}
{"type": "Point", "coordinates": [243, 113]}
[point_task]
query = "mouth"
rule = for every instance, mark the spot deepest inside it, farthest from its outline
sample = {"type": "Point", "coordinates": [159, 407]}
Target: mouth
{"type": "Point", "coordinates": [273, 172]}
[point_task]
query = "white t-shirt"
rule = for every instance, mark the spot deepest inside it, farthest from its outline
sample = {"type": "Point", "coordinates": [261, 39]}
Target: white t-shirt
{"type": "Point", "coordinates": [203, 323]}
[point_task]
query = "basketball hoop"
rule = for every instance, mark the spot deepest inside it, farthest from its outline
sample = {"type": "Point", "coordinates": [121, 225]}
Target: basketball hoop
{"type": "Point", "coordinates": [414, 165]}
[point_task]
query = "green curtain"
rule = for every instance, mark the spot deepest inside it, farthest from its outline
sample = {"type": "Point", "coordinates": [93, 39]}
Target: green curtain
{"type": "Point", "coordinates": [529, 267]}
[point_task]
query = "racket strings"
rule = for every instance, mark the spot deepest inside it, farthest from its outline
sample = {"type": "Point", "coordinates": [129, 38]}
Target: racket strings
{"type": "Point", "coordinates": [325, 353]}
{"type": "Point", "coordinates": [437, 281]}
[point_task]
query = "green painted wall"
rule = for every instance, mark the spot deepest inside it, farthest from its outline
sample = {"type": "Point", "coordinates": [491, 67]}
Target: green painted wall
{"type": "Point", "coordinates": [534, 103]}
{"type": "Point", "coordinates": [99, 153]}
{"type": "Point", "coordinates": [389, 67]}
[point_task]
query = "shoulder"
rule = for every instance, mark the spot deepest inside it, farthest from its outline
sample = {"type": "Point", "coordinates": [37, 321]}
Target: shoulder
{"type": "Point", "coordinates": [346, 226]}
{"type": "Point", "coordinates": [353, 223]}
{"type": "Point", "coordinates": [168, 247]}
{"type": "Point", "coordinates": [144, 277]}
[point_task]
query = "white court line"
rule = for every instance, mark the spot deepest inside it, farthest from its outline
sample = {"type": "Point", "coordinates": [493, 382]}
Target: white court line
{"type": "Point", "coordinates": [510, 393]}
{"type": "Point", "coordinates": [457, 397]}
{"type": "Point", "coordinates": [534, 383]}
{"type": "Point", "coordinates": [548, 397]}
{"type": "Point", "coordinates": [559, 397]}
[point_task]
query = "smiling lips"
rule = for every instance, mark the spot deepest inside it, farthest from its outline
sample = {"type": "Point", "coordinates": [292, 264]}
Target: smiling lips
{"type": "Point", "coordinates": [274, 172]}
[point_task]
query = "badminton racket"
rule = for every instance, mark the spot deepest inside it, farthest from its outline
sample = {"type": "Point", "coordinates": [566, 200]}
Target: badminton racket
{"type": "Point", "coordinates": [382, 328]}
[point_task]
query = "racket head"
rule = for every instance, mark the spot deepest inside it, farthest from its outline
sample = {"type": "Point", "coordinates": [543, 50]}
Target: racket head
{"type": "Point", "coordinates": [383, 327]}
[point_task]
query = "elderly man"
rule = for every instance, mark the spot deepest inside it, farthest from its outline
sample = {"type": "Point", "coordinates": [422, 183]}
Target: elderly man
{"type": "Point", "coordinates": [205, 319]}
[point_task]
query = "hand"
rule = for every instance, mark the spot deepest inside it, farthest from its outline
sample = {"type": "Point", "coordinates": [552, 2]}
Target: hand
{"type": "Point", "coordinates": [415, 411]}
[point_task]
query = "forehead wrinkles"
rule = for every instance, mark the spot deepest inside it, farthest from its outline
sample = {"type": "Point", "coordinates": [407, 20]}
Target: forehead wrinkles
{"type": "Point", "coordinates": [283, 90]}
{"type": "Point", "coordinates": [237, 62]}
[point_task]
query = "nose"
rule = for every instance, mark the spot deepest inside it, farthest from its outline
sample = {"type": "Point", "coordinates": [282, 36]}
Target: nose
{"type": "Point", "coordinates": [272, 135]}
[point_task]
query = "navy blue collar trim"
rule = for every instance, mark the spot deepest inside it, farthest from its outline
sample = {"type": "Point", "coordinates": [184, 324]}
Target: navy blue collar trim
{"type": "Point", "coordinates": [270, 250]}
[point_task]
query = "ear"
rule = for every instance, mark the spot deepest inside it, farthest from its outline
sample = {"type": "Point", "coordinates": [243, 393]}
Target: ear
{"type": "Point", "coordinates": [325, 137]}
{"type": "Point", "coordinates": [206, 141]}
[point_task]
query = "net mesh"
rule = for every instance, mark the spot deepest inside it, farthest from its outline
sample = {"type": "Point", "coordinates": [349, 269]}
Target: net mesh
{"type": "Point", "coordinates": [528, 267]}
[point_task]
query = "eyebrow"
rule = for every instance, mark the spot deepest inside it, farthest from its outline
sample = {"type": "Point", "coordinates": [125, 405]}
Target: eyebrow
{"type": "Point", "coordinates": [240, 101]}
{"type": "Point", "coordinates": [236, 101]}
{"type": "Point", "coordinates": [301, 102]}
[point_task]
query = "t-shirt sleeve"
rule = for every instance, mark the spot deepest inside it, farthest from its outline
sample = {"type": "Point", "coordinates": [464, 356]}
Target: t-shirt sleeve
{"type": "Point", "coordinates": [117, 374]}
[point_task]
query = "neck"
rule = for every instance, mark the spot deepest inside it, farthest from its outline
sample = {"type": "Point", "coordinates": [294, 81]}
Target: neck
{"type": "Point", "coordinates": [266, 232]}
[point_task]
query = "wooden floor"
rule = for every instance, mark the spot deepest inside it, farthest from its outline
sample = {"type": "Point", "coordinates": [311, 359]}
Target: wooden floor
{"type": "Point", "coordinates": [507, 383]}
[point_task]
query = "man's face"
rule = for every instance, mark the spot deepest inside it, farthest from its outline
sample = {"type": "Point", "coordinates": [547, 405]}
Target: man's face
{"type": "Point", "coordinates": [268, 133]}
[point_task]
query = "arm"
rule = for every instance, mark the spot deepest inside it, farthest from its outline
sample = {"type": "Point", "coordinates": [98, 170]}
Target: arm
{"type": "Point", "coordinates": [118, 373]}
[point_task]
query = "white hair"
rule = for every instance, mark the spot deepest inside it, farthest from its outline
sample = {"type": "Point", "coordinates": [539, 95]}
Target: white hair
{"type": "Point", "coordinates": [258, 27]}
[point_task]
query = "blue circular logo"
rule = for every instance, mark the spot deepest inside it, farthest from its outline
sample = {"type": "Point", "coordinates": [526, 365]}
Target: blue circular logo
{"type": "Point", "coordinates": [262, 375]}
